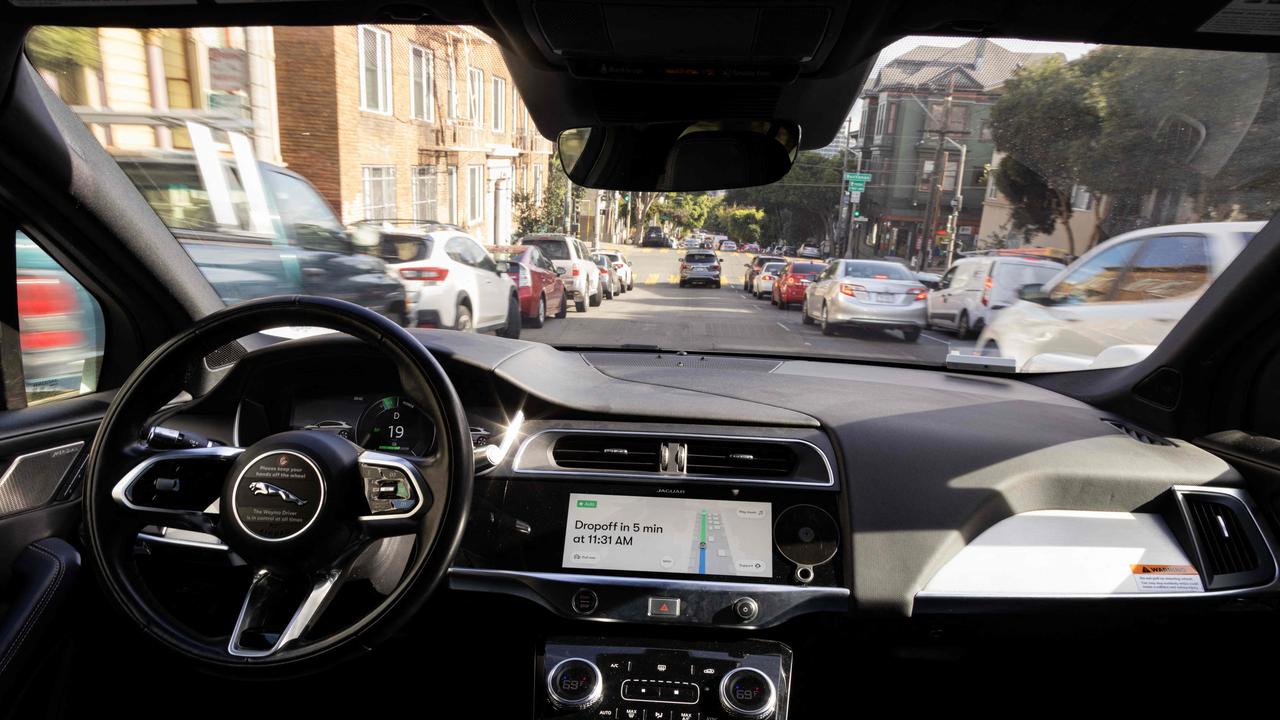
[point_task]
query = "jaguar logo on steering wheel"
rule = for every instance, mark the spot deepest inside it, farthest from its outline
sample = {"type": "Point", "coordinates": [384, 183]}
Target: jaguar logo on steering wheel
{"type": "Point", "coordinates": [264, 488]}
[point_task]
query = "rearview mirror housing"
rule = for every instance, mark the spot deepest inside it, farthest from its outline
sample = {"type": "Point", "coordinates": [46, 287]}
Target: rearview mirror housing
{"type": "Point", "coordinates": [679, 156]}
{"type": "Point", "coordinates": [502, 267]}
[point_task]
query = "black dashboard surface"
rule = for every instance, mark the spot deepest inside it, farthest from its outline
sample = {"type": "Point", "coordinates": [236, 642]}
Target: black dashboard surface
{"type": "Point", "coordinates": [926, 459]}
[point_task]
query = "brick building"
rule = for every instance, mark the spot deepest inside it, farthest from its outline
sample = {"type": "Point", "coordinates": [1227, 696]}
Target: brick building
{"type": "Point", "coordinates": [405, 122]}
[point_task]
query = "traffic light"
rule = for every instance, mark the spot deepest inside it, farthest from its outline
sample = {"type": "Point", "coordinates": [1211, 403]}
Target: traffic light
{"type": "Point", "coordinates": [857, 213]}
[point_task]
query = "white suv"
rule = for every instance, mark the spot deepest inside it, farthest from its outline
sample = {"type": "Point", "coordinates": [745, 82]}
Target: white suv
{"type": "Point", "coordinates": [1115, 304]}
{"type": "Point", "coordinates": [450, 280]}
{"type": "Point", "coordinates": [581, 276]}
{"type": "Point", "coordinates": [973, 289]}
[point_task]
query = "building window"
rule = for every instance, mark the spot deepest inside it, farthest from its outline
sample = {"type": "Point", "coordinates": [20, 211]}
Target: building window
{"type": "Point", "coordinates": [985, 132]}
{"type": "Point", "coordinates": [421, 89]}
{"type": "Point", "coordinates": [379, 192]}
{"type": "Point", "coordinates": [948, 180]}
{"type": "Point", "coordinates": [453, 90]}
{"type": "Point", "coordinates": [475, 95]}
{"type": "Point", "coordinates": [537, 184]}
{"type": "Point", "coordinates": [453, 194]}
{"type": "Point", "coordinates": [1081, 198]}
{"type": "Point", "coordinates": [475, 193]}
{"type": "Point", "coordinates": [499, 104]}
{"type": "Point", "coordinates": [424, 193]}
{"type": "Point", "coordinates": [992, 191]}
{"type": "Point", "coordinates": [375, 70]}
{"type": "Point", "coordinates": [958, 122]}
{"type": "Point", "coordinates": [891, 123]}
{"type": "Point", "coordinates": [517, 111]}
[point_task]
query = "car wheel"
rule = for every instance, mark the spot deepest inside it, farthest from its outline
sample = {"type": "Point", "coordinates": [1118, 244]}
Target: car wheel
{"type": "Point", "coordinates": [827, 328]}
{"type": "Point", "coordinates": [631, 283]}
{"type": "Point", "coordinates": [911, 335]}
{"type": "Point", "coordinates": [462, 319]}
{"type": "Point", "coordinates": [597, 298]}
{"type": "Point", "coordinates": [717, 285]}
{"type": "Point", "coordinates": [805, 317]}
{"type": "Point", "coordinates": [564, 307]}
{"type": "Point", "coordinates": [746, 286]}
{"type": "Point", "coordinates": [540, 319]}
{"type": "Point", "coordinates": [512, 328]}
{"type": "Point", "coordinates": [607, 291]}
{"type": "Point", "coordinates": [683, 284]}
{"type": "Point", "coordinates": [580, 305]}
{"type": "Point", "coordinates": [783, 304]}
{"type": "Point", "coordinates": [962, 326]}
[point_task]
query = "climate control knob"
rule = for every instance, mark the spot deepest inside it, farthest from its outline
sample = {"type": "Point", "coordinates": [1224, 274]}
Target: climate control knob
{"type": "Point", "coordinates": [748, 693]}
{"type": "Point", "coordinates": [575, 684]}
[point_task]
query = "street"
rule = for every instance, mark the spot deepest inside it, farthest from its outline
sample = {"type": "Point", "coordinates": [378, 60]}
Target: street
{"type": "Point", "coordinates": [660, 312]}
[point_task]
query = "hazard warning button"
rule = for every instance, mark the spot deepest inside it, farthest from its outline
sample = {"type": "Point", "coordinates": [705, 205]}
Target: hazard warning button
{"type": "Point", "coordinates": [664, 607]}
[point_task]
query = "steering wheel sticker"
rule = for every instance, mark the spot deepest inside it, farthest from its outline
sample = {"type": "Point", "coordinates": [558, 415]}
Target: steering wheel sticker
{"type": "Point", "coordinates": [277, 496]}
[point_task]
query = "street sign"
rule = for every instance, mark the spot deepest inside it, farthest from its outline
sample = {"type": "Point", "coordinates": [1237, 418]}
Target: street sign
{"type": "Point", "coordinates": [856, 187]}
{"type": "Point", "coordinates": [855, 196]}
{"type": "Point", "coordinates": [863, 178]}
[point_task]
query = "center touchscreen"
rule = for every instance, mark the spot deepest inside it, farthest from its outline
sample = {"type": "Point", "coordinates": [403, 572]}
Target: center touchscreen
{"type": "Point", "coordinates": [671, 535]}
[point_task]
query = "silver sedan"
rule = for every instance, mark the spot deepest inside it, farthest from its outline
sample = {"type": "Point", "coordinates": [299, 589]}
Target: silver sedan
{"type": "Point", "coordinates": [866, 293]}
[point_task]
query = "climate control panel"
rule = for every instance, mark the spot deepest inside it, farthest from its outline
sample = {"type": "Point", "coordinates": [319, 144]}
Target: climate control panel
{"type": "Point", "coordinates": [612, 678]}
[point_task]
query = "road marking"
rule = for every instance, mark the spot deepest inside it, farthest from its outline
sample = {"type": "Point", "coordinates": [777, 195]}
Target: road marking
{"type": "Point", "coordinates": [651, 279]}
{"type": "Point", "coordinates": [937, 340]}
{"type": "Point", "coordinates": [784, 327]}
{"type": "Point", "coordinates": [673, 279]}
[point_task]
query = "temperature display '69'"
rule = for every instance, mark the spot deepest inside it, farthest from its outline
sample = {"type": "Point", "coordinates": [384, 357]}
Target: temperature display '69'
{"type": "Point", "coordinates": [396, 426]}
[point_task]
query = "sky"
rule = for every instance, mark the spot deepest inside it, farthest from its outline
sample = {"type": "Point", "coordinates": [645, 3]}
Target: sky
{"type": "Point", "coordinates": [1069, 49]}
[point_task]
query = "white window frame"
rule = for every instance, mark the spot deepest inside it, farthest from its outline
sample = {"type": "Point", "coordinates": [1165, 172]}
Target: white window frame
{"type": "Point", "coordinates": [499, 104]}
{"type": "Point", "coordinates": [382, 62]}
{"type": "Point", "coordinates": [475, 95]}
{"type": "Point", "coordinates": [453, 89]}
{"type": "Point", "coordinates": [475, 193]}
{"type": "Point", "coordinates": [453, 194]}
{"type": "Point", "coordinates": [422, 106]}
{"type": "Point", "coordinates": [366, 183]}
{"type": "Point", "coordinates": [432, 204]}
{"type": "Point", "coordinates": [1077, 191]}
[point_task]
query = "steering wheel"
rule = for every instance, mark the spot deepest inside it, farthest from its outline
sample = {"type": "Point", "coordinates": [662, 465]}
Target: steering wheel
{"type": "Point", "coordinates": [301, 508]}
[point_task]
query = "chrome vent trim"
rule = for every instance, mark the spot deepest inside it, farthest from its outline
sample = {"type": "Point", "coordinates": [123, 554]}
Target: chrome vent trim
{"type": "Point", "coordinates": [676, 460]}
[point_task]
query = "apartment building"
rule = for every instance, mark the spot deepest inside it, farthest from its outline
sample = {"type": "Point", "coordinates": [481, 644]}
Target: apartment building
{"type": "Point", "coordinates": [408, 123]}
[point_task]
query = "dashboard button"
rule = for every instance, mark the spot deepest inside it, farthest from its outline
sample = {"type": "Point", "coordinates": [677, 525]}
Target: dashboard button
{"type": "Point", "coordinates": [679, 693]}
{"type": "Point", "coordinates": [631, 713]}
{"type": "Point", "coordinates": [575, 684]}
{"type": "Point", "coordinates": [746, 609]}
{"type": "Point", "coordinates": [585, 601]}
{"type": "Point", "coordinates": [664, 607]}
{"type": "Point", "coordinates": [747, 693]}
{"type": "Point", "coordinates": [641, 690]}
{"type": "Point", "coordinates": [686, 715]}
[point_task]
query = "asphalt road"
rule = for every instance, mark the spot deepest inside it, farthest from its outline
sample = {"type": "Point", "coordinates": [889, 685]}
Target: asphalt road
{"type": "Point", "coordinates": [659, 312]}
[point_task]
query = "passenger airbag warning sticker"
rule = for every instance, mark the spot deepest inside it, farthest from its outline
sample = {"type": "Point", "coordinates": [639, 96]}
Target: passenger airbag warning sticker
{"type": "Point", "coordinates": [1166, 578]}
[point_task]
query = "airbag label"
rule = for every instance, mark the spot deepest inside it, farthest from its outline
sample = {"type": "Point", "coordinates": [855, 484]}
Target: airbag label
{"type": "Point", "coordinates": [1167, 578]}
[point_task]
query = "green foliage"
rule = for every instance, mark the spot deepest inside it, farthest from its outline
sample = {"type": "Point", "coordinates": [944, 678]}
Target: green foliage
{"type": "Point", "coordinates": [802, 204]}
{"type": "Point", "coordinates": [685, 211]}
{"type": "Point", "coordinates": [743, 224]}
{"type": "Point", "coordinates": [549, 216]}
{"type": "Point", "coordinates": [63, 48]}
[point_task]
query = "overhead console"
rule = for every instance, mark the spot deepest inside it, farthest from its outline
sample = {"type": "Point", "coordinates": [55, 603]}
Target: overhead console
{"type": "Point", "coordinates": [710, 526]}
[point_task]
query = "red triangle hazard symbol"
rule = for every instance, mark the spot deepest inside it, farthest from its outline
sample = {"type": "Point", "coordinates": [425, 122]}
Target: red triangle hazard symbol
{"type": "Point", "coordinates": [663, 608]}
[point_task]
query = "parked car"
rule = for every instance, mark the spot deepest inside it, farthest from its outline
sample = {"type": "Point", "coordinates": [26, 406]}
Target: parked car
{"type": "Point", "coordinates": [581, 277]}
{"type": "Point", "coordinates": [246, 255]}
{"type": "Point", "coordinates": [537, 280]}
{"type": "Point", "coordinates": [654, 237]}
{"type": "Point", "coordinates": [452, 282]}
{"type": "Point", "coordinates": [728, 246]}
{"type": "Point", "coordinates": [787, 251]}
{"type": "Point", "coordinates": [700, 266]}
{"type": "Point", "coordinates": [790, 285]}
{"type": "Point", "coordinates": [691, 243]}
{"type": "Point", "coordinates": [751, 248]}
{"type": "Point", "coordinates": [754, 267]}
{"type": "Point", "coordinates": [812, 252]}
{"type": "Point", "coordinates": [60, 326]}
{"type": "Point", "coordinates": [866, 293]}
{"type": "Point", "coordinates": [623, 266]}
{"type": "Point", "coordinates": [1114, 304]}
{"type": "Point", "coordinates": [762, 283]}
{"type": "Point", "coordinates": [974, 288]}
{"type": "Point", "coordinates": [609, 277]}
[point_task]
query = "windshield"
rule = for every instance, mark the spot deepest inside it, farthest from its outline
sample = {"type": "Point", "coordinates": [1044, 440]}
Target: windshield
{"type": "Point", "coordinates": [1108, 185]}
{"type": "Point", "coordinates": [883, 271]}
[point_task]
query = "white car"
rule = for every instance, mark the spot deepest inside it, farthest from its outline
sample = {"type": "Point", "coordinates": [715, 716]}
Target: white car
{"type": "Point", "coordinates": [623, 266]}
{"type": "Point", "coordinates": [581, 276]}
{"type": "Point", "coordinates": [451, 281]}
{"type": "Point", "coordinates": [762, 283]}
{"type": "Point", "coordinates": [974, 288]}
{"type": "Point", "coordinates": [1117, 302]}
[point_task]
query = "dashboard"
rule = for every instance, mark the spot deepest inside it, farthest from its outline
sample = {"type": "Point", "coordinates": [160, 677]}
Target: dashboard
{"type": "Point", "coordinates": [624, 494]}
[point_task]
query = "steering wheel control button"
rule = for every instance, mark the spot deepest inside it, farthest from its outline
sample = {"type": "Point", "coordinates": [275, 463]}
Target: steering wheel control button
{"type": "Point", "coordinates": [575, 684]}
{"type": "Point", "coordinates": [747, 693]}
{"type": "Point", "coordinates": [387, 489]}
{"type": "Point", "coordinates": [585, 601]}
{"type": "Point", "coordinates": [661, 607]}
{"type": "Point", "coordinates": [277, 495]}
{"type": "Point", "coordinates": [746, 609]}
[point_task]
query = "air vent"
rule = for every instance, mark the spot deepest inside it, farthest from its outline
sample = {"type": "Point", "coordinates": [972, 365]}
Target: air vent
{"type": "Point", "coordinates": [608, 452]}
{"type": "Point", "coordinates": [1141, 436]}
{"type": "Point", "coordinates": [739, 458]}
{"type": "Point", "coordinates": [1231, 550]}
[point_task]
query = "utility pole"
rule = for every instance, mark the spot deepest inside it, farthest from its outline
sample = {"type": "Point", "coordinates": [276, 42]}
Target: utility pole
{"type": "Point", "coordinates": [957, 204]}
{"type": "Point", "coordinates": [845, 195]}
{"type": "Point", "coordinates": [851, 250]}
{"type": "Point", "coordinates": [936, 182]}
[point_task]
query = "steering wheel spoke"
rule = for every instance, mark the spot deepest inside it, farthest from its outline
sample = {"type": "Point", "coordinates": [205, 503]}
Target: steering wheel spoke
{"type": "Point", "coordinates": [177, 488]}
{"type": "Point", "coordinates": [279, 610]}
{"type": "Point", "coordinates": [397, 493]}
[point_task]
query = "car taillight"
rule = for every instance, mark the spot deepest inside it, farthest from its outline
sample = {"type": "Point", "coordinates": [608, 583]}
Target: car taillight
{"type": "Point", "coordinates": [47, 307]}
{"type": "Point", "coordinates": [604, 271]}
{"type": "Point", "coordinates": [766, 276]}
{"type": "Point", "coordinates": [851, 290]}
{"type": "Point", "coordinates": [523, 278]}
{"type": "Point", "coordinates": [684, 266]}
{"type": "Point", "coordinates": [577, 271]}
{"type": "Point", "coordinates": [986, 291]}
{"type": "Point", "coordinates": [424, 274]}
{"type": "Point", "coordinates": [716, 266]}
{"type": "Point", "coordinates": [920, 293]}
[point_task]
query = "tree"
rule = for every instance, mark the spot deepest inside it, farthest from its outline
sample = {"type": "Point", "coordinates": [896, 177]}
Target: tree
{"type": "Point", "coordinates": [1046, 123]}
{"type": "Point", "coordinates": [802, 205]}
{"type": "Point", "coordinates": [641, 207]}
{"type": "Point", "coordinates": [740, 223]}
{"type": "Point", "coordinates": [686, 211]}
{"type": "Point", "coordinates": [549, 215]}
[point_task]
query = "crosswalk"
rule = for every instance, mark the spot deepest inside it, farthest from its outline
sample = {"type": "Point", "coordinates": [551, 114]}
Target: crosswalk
{"type": "Point", "coordinates": [674, 279]}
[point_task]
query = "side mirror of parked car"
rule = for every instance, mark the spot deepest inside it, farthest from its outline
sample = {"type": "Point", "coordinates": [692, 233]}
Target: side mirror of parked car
{"type": "Point", "coordinates": [1033, 293]}
{"type": "Point", "coordinates": [502, 267]}
{"type": "Point", "coordinates": [560, 271]}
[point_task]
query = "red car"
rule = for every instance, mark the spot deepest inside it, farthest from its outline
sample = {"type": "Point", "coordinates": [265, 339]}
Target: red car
{"type": "Point", "coordinates": [790, 285]}
{"type": "Point", "coordinates": [537, 281]}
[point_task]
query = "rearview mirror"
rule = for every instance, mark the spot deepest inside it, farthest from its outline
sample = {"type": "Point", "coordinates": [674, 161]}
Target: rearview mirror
{"type": "Point", "coordinates": [1033, 293]}
{"type": "Point", "coordinates": [682, 156]}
